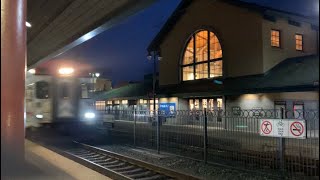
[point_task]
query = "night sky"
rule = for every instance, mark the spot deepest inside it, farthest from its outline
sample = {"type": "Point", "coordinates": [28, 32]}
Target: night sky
{"type": "Point", "coordinates": [120, 53]}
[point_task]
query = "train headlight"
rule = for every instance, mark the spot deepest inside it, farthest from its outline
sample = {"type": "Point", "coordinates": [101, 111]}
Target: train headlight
{"type": "Point", "coordinates": [89, 115]}
{"type": "Point", "coordinates": [39, 116]}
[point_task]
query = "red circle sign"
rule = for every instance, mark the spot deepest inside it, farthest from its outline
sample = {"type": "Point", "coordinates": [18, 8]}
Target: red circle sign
{"type": "Point", "coordinates": [266, 127]}
{"type": "Point", "coordinates": [296, 129]}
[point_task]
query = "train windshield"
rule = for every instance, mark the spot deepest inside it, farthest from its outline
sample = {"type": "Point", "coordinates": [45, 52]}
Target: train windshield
{"type": "Point", "coordinates": [42, 90]}
{"type": "Point", "coordinates": [65, 90]}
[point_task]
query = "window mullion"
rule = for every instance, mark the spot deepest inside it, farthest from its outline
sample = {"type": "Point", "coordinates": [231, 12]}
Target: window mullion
{"type": "Point", "coordinates": [208, 42]}
{"type": "Point", "coordinates": [194, 56]}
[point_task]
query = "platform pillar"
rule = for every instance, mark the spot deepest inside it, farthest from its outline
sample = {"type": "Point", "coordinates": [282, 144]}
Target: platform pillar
{"type": "Point", "coordinates": [13, 69]}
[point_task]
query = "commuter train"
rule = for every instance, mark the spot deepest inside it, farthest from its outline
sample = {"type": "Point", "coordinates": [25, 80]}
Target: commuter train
{"type": "Point", "coordinates": [58, 101]}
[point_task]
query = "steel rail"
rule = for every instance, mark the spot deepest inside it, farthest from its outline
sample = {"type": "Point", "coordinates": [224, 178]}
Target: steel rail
{"type": "Point", "coordinates": [120, 167]}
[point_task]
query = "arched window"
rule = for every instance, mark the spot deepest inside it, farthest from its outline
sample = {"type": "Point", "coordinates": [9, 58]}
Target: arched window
{"type": "Point", "coordinates": [202, 57]}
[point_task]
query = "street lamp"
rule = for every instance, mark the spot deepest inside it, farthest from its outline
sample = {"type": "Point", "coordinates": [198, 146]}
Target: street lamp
{"type": "Point", "coordinates": [156, 56]}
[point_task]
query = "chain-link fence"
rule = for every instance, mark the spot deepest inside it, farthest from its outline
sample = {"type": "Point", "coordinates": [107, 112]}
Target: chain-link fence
{"type": "Point", "coordinates": [228, 137]}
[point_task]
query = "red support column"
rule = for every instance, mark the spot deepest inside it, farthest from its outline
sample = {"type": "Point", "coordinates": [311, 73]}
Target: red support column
{"type": "Point", "coordinates": [13, 67]}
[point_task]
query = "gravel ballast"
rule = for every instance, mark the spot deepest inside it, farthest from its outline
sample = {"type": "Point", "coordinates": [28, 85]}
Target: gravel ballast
{"type": "Point", "coordinates": [186, 165]}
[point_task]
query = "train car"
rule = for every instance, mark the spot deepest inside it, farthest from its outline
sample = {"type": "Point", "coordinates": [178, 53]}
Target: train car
{"type": "Point", "coordinates": [58, 101]}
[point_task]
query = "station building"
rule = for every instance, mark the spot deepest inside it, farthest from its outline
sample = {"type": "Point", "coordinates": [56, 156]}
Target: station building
{"type": "Point", "coordinates": [231, 55]}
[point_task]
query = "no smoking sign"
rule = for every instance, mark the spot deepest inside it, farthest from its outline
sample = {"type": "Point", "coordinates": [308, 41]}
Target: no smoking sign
{"type": "Point", "coordinates": [286, 128]}
{"type": "Point", "coordinates": [296, 128]}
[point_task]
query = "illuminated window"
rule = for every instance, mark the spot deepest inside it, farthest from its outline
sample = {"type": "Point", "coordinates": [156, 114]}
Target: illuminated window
{"type": "Point", "coordinates": [117, 102]}
{"type": "Point", "coordinates": [201, 71]}
{"type": "Point", "coordinates": [188, 73]}
{"type": "Point", "coordinates": [204, 103]}
{"type": "Point", "coordinates": [210, 104]}
{"type": "Point", "coordinates": [215, 69]}
{"type": "Point", "coordinates": [219, 102]}
{"type": "Point", "coordinates": [151, 101]}
{"type": "Point", "coordinates": [275, 38]}
{"type": "Point", "coordinates": [124, 102]}
{"type": "Point", "coordinates": [188, 54]}
{"type": "Point", "coordinates": [151, 108]}
{"type": "Point", "coordinates": [201, 46]}
{"type": "Point", "coordinates": [299, 42]}
{"type": "Point", "coordinates": [196, 104]}
{"type": "Point", "coordinates": [202, 57]}
{"type": "Point", "coordinates": [100, 105]}
{"type": "Point", "coordinates": [109, 102]}
{"type": "Point", "coordinates": [191, 104]}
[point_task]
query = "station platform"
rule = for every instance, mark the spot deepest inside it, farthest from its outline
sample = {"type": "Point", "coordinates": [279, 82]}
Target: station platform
{"type": "Point", "coordinates": [42, 163]}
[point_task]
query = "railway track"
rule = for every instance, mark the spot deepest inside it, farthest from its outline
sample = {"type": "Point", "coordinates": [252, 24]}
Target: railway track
{"type": "Point", "coordinates": [120, 167]}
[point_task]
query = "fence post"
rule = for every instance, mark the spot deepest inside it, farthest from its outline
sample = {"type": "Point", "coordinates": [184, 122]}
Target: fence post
{"type": "Point", "coordinates": [134, 126]}
{"type": "Point", "coordinates": [281, 145]}
{"type": "Point", "coordinates": [205, 136]}
{"type": "Point", "coordinates": [158, 130]}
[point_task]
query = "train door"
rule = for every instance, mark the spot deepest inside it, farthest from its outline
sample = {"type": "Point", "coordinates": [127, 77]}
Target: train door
{"type": "Point", "coordinates": [65, 100]}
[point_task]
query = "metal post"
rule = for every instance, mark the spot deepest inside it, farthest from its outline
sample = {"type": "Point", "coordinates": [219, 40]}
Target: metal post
{"type": "Point", "coordinates": [134, 127]}
{"type": "Point", "coordinates": [205, 136]}
{"type": "Point", "coordinates": [281, 145]}
{"type": "Point", "coordinates": [155, 114]}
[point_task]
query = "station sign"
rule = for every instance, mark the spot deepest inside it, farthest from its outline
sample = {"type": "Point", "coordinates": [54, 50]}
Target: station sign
{"type": "Point", "coordinates": [167, 109]}
{"type": "Point", "coordinates": [286, 128]}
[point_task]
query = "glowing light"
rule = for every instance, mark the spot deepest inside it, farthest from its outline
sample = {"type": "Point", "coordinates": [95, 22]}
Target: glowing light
{"type": "Point", "coordinates": [89, 115]}
{"type": "Point", "coordinates": [88, 36]}
{"type": "Point", "coordinates": [66, 71]}
{"type": "Point", "coordinates": [39, 116]}
{"type": "Point", "coordinates": [97, 74]}
{"type": "Point", "coordinates": [32, 71]}
{"type": "Point", "coordinates": [28, 24]}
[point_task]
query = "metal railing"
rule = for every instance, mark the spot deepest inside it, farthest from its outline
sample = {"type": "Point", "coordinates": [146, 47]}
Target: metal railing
{"type": "Point", "coordinates": [228, 137]}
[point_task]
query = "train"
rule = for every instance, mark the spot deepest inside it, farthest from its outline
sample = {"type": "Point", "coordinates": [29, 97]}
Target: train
{"type": "Point", "coordinates": [58, 100]}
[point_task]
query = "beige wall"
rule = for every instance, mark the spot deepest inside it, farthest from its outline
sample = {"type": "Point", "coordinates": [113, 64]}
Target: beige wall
{"type": "Point", "coordinates": [238, 30]}
{"type": "Point", "coordinates": [273, 55]}
{"type": "Point", "coordinates": [243, 34]}
{"type": "Point", "coordinates": [102, 84]}
{"type": "Point", "coordinates": [266, 100]}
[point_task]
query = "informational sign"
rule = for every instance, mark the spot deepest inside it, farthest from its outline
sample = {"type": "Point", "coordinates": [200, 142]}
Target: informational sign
{"type": "Point", "coordinates": [286, 128]}
{"type": "Point", "coordinates": [236, 111]}
{"type": "Point", "coordinates": [167, 109]}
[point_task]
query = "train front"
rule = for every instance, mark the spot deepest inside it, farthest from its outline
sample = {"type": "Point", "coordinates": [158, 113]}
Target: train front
{"type": "Point", "coordinates": [72, 101]}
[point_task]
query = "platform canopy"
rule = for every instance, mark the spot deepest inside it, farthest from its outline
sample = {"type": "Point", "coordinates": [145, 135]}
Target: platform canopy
{"type": "Point", "coordinates": [59, 25]}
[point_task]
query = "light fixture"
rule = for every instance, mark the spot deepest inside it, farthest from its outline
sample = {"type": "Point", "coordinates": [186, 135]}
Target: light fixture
{"type": "Point", "coordinates": [32, 71]}
{"type": "Point", "coordinates": [66, 71]}
{"type": "Point", "coordinates": [28, 24]}
{"type": "Point", "coordinates": [97, 74]}
{"type": "Point", "coordinates": [149, 56]}
{"type": "Point", "coordinates": [159, 55]}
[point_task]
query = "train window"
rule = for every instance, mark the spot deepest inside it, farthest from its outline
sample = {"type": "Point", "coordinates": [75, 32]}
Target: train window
{"type": "Point", "coordinates": [42, 90]}
{"type": "Point", "coordinates": [84, 91]}
{"type": "Point", "coordinates": [65, 91]}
